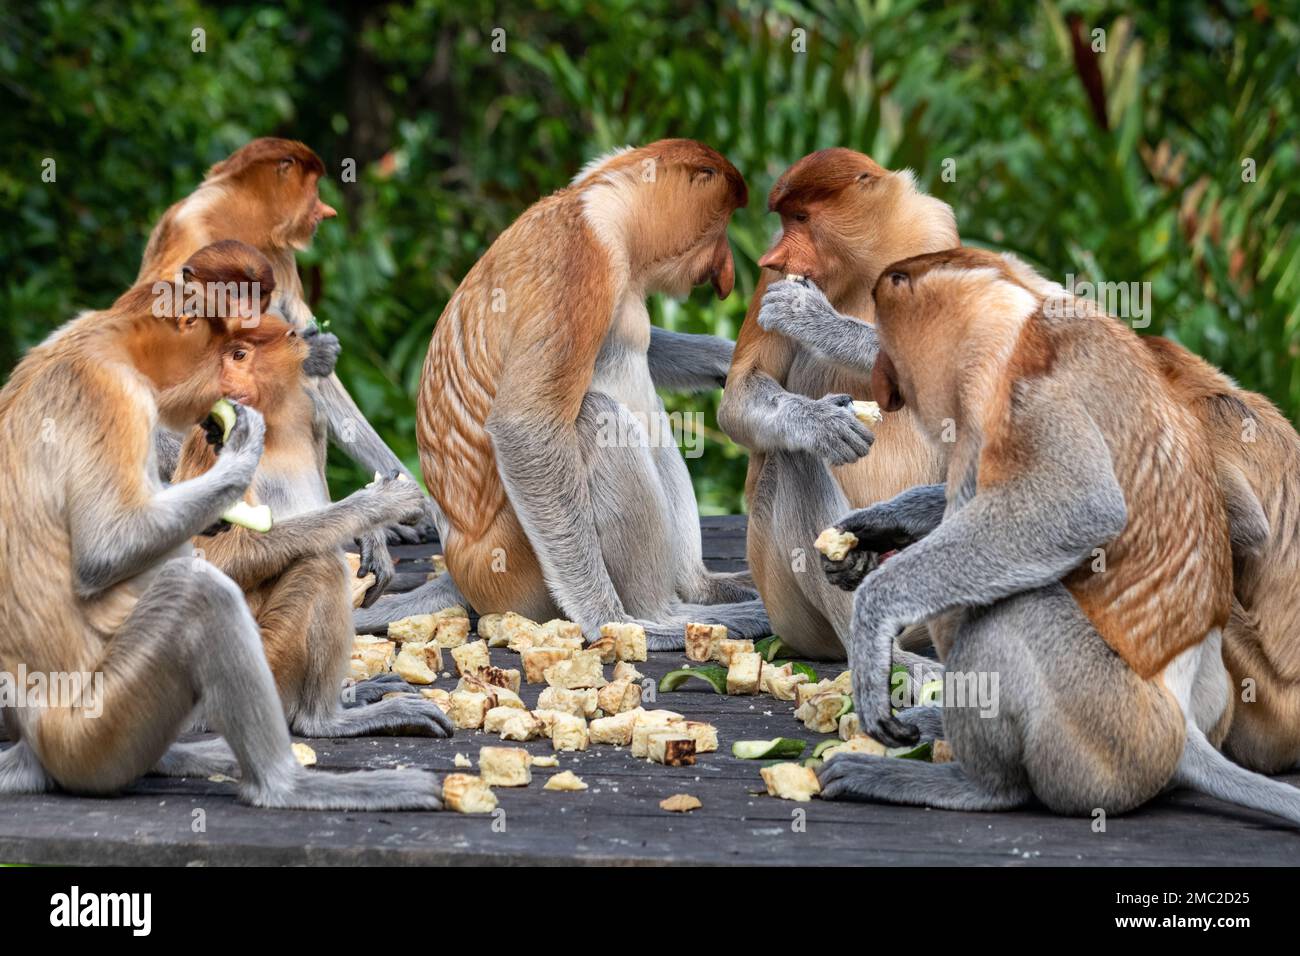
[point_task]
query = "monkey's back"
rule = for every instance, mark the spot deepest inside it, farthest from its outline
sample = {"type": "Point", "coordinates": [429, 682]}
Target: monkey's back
{"type": "Point", "coordinates": [1166, 578]}
{"type": "Point", "coordinates": [64, 415]}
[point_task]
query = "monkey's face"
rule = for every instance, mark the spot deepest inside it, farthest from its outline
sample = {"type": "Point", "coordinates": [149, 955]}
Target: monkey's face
{"type": "Point", "coordinates": [690, 207]}
{"type": "Point", "coordinates": [297, 203]}
{"type": "Point", "coordinates": [259, 371]}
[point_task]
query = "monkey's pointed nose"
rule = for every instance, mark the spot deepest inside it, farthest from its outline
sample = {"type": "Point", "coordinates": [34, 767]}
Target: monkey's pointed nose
{"type": "Point", "coordinates": [772, 260]}
{"type": "Point", "coordinates": [325, 212]}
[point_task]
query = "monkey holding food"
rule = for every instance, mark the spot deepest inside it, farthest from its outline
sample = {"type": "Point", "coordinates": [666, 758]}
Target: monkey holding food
{"type": "Point", "coordinates": [99, 575]}
{"type": "Point", "coordinates": [293, 574]}
{"type": "Point", "coordinates": [797, 370]}
{"type": "Point", "coordinates": [541, 435]}
{"type": "Point", "coordinates": [1067, 441]}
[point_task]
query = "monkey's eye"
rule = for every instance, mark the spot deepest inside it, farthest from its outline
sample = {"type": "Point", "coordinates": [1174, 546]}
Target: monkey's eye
{"type": "Point", "coordinates": [239, 355]}
{"type": "Point", "coordinates": [286, 163]}
{"type": "Point", "coordinates": [801, 217]}
{"type": "Point", "coordinates": [897, 278]}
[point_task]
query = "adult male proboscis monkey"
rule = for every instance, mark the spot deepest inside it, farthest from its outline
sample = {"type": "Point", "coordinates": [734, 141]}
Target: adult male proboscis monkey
{"type": "Point", "coordinates": [792, 381]}
{"type": "Point", "coordinates": [99, 581]}
{"type": "Point", "coordinates": [1068, 445]}
{"type": "Point", "coordinates": [541, 434]}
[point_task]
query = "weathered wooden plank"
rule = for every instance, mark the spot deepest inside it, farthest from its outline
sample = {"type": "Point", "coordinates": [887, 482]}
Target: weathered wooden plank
{"type": "Point", "coordinates": [618, 820]}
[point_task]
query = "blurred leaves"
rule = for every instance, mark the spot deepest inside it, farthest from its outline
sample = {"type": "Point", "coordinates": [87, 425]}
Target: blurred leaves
{"type": "Point", "coordinates": [453, 140]}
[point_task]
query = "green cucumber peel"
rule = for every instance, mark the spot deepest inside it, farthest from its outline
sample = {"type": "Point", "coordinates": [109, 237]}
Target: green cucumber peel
{"type": "Point", "coordinates": [711, 674]}
{"type": "Point", "coordinates": [778, 748]}
{"type": "Point", "coordinates": [770, 647]}
{"type": "Point", "coordinates": [917, 752]}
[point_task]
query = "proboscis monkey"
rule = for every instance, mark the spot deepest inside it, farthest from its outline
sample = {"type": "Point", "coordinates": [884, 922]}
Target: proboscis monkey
{"type": "Point", "coordinates": [294, 576]}
{"type": "Point", "coordinates": [1258, 452]}
{"type": "Point", "coordinates": [1068, 446]}
{"type": "Point", "coordinates": [540, 431]}
{"type": "Point", "coordinates": [99, 580]}
{"type": "Point", "coordinates": [266, 194]}
{"type": "Point", "coordinates": [789, 392]}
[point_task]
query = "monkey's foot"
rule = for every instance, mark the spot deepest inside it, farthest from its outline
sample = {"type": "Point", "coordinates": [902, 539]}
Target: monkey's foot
{"type": "Point", "coordinates": [372, 690]}
{"type": "Point", "coordinates": [203, 758]}
{"type": "Point", "coordinates": [743, 620]}
{"type": "Point", "coordinates": [869, 778]}
{"type": "Point", "coordinates": [397, 717]}
{"type": "Point", "coordinates": [718, 587]}
{"type": "Point", "coordinates": [363, 790]}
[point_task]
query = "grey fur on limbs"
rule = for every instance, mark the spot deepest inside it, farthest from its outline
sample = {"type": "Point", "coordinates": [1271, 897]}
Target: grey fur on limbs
{"type": "Point", "coordinates": [800, 311]}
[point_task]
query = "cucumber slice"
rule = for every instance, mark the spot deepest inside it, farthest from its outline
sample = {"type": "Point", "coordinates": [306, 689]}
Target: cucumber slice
{"type": "Point", "coordinates": [224, 413]}
{"type": "Point", "coordinates": [771, 648]}
{"type": "Point", "coordinates": [846, 706]}
{"type": "Point", "coordinates": [919, 752]}
{"type": "Point", "coordinates": [778, 748]}
{"type": "Point", "coordinates": [798, 667]}
{"type": "Point", "coordinates": [812, 763]}
{"type": "Point", "coordinates": [711, 674]}
{"type": "Point", "coordinates": [254, 518]}
{"type": "Point", "coordinates": [825, 745]}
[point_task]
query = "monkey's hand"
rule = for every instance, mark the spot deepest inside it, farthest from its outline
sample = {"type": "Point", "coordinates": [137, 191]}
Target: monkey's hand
{"type": "Point", "coordinates": [878, 533]}
{"type": "Point", "coordinates": [247, 435]}
{"type": "Point", "coordinates": [394, 499]}
{"type": "Point", "coordinates": [827, 428]}
{"type": "Point", "coordinates": [796, 309]}
{"type": "Point", "coordinates": [376, 560]}
{"type": "Point", "coordinates": [416, 532]}
{"type": "Point", "coordinates": [871, 658]}
{"type": "Point", "coordinates": [323, 351]}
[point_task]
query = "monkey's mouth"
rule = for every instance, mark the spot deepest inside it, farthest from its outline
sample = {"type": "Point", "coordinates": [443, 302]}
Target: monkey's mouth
{"type": "Point", "coordinates": [884, 384]}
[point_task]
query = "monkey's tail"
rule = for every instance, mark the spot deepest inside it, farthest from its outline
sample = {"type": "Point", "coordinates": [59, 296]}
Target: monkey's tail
{"type": "Point", "coordinates": [1204, 769]}
{"type": "Point", "coordinates": [426, 599]}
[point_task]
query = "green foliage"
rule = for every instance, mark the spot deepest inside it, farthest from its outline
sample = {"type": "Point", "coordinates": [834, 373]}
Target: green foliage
{"type": "Point", "coordinates": [452, 140]}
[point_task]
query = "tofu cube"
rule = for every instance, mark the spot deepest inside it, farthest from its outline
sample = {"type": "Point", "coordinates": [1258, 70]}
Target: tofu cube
{"type": "Point", "coordinates": [418, 629]}
{"type": "Point", "coordinates": [372, 656]}
{"type": "Point", "coordinates": [471, 658]}
{"type": "Point", "coordinates": [726, 650]}
{"type": "Point", "coordinates": [537, 659]}
{"type": "Point", "coordinates": [418, 663]}
{"type": "Point", "coordinates": [868, 413]}
{"type": "Point", "coordinates": [520, 632]}
{"type": "Point", "coordinates": [496, 718]}
{"type": "Point", "coordinates": [850, 726]}
{"type": "Point", "coordinates": [451, 632]}
{"type": "Point", "coordinates": [499, 677]}
{"type": "Point", "coordinates": [489, 629]}
{"type": "Point", "coordinates": [561, 633]}
{"type": "Point", "coordinates": [836, 544]}
{"type": "Point", "coordinates": [704, 735]}
{"type": "Point", "coordinates": [568, 732]}
{"type": "Point", "coordinates": [607, 649]}
{"type": "Point", "coordinates": [629, 640]}
{"type": "Point", "coordinates": [702, 640]}
{"type": "Point", "coordinates": [436, 694]}
{"type": "Point", "coordinates": [856, 745]}
{"type": "Point", "coordinates": [782, 686]}
{"type": "Point", "coordinates": [672, 748]}
{"type": "Point", "coordinates": [821, 714]}
{"type": "Point", "coordinates": [647, 727]}
{"type": "Point", "coordinates": [468, 709]}
{"type": "Point", "coordinates": [521, 725]}
{"type": "Point", "coordinates": [791, 781]}
{"type": "Point", "coordinates": [618, 696]}
{"type": "Point", "coordinates": [579, 703]}
{"type": "Point", "coordinates": [616, 730]}
{"type": "Point", "coordinates": [626, 670]}
{"type": "Point", "coordinates": [505, 766]}
{"type": "Point", "coordinates": [466, 793]}
{"type": "Point", "coordinates": [744, 673]}
{"type": "Point", "coordinates": [581, 670]}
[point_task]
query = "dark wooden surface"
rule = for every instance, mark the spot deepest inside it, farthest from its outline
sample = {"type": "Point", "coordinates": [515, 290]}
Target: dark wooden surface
{"type": "Point", "coordinates": [618, 820]}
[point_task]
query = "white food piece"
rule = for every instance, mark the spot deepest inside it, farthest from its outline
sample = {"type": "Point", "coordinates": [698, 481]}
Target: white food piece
{"type": "Point", "coordinates": [629, 640]}
{"type": "Point", "coordinates": [744, 673]}
{"type": "Point", "coordinates": [505, 766]}
{"type": "Point", "coordinates": [569, 733]}
{"type": "Point", "coordinates": [466, 793]}
{"type": "Point", "coordinates": [418, 663]}
{"type": "Point", "coordinates": [836, 544]}
{"type": "Point", "coordinates": [564, 780]}
{"type": "Point", "coordinates": [702, 640]}
{"type": "Point", "coordinates": [537, 659]}
{"type": "Point", "coordinates": [616, 730]}
{"type": "Point", "coordinates": [578, 702]}
{"type": "Point", "coordinates": [582, 670]}
{"type": "Point", "coordinates": [672, 748]}
{"type": "Point", "coordinates": [471, 658]}
{"type": "Point", "coordinates": [791, 781]}
{"type": "Point", "coordinates": [305, 756]}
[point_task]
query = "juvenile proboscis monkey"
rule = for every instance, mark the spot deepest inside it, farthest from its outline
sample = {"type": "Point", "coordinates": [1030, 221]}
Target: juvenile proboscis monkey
{"type": "Point", "coordinates": [1258, 453]}
{"type": "Point", "coordinates": [294, 576]}
{"type": "Point", "coordinates": [267, 195]}
{"type": "Point", "coordinates": [1069, 447]}
{"type": "Point", "coordinates": [541, 434]}
{"type": "Point", "coordinates": [794, 377]}
{"type": "Point", "coordinates": [99, 580]}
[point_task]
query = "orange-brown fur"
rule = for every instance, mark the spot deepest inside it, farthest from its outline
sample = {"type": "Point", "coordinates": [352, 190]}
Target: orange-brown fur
{"type": "Point", "coordinates": [1164, 587]}
{"type": "Point", "coordinates": [75, 432]}
{"type": "Point", "coordinates": [1262, 641]}
{"type": "Point", "coordinates": [539, 354]}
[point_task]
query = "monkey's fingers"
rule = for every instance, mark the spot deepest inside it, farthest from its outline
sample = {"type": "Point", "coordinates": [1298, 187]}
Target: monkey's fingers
{"type": "Point", "coordinates": [847, 573]}
{"type": "Point", "coordinates": [214, 432]}
{"type": "Point", "coordinates": [893, 732]}
{"type": "Point", "coordinates": [212, 530]}
{"type": "Point", "coordinates": [323, 353]}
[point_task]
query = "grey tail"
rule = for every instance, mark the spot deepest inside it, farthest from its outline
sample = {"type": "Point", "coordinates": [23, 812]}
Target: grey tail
{"type": "Point", "coordinates": [1204, 769]}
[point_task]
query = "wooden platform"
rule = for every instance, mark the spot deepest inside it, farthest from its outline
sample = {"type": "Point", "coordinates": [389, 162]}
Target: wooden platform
{"type": "Point", "coordinates": [618, 820]}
